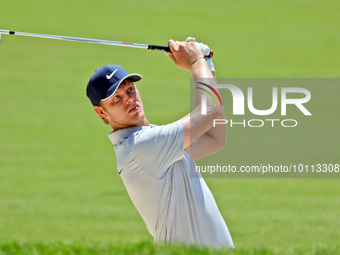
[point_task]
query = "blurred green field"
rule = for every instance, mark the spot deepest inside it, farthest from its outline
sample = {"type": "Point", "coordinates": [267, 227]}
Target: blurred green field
{"type": "Point", "coordinates": [58, 179]}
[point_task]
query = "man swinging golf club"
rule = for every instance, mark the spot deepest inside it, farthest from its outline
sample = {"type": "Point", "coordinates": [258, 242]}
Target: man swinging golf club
{"type": "Point", "coordinates": [154, 162]}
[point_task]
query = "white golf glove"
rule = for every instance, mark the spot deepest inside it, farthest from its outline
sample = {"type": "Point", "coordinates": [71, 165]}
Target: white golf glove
{"type": "Point", "coordinates": [205, 50]}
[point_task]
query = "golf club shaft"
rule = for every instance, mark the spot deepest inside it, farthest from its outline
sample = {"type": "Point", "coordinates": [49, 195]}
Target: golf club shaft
{"type": "Point", "coordinates": [77, 39]}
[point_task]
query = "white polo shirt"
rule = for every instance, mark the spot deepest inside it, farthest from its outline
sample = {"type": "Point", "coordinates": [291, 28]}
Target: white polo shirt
{"type": "Point", "coordinates": [176, 207]}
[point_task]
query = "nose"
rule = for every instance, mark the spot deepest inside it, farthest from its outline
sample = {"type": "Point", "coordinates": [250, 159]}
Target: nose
{"type": "Point", "coordinates": [129, 99]}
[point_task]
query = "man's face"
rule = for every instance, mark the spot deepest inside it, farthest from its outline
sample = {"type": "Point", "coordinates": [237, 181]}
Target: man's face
{"type": "Point", "coordinates": [124, 108]}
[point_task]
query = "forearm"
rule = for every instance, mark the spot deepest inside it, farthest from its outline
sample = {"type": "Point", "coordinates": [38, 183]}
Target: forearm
{"type": "Point", "coordinates": [202, 123]}
{"type": "Point", "coordinates": [203, 79]}
{"type": "Point", "coordinates": [200, 69]}
{"type": "Point", "coordinates": [219, 132]}
{"type": "Point", "coordinates": [188, 56]}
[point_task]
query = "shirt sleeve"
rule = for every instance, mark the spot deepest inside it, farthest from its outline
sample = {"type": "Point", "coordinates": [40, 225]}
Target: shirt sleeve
{"type": "Point", "coordinates": [157, 148]}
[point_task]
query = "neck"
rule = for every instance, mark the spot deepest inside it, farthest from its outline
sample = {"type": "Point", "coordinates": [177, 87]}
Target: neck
{"type": "Point", "coordinates": [144, 122]}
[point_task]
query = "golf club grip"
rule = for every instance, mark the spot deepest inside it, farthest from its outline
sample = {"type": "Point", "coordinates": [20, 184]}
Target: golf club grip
{"type": "Point", "coordinates": [159, 47]}
{"type": "Point", "coordinates": [166, 48]}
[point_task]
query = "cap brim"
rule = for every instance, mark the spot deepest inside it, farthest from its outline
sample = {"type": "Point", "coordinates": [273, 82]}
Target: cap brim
{"type": "Point", "coordinates": [133, 77]}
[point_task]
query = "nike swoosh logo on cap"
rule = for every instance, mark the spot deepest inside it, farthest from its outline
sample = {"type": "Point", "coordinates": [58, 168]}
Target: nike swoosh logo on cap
{"type": "Point", "coordinates": [110, 76]}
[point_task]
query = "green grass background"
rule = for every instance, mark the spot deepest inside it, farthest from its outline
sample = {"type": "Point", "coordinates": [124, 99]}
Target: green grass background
{"type": "Point", "coordinates": [58, 181]}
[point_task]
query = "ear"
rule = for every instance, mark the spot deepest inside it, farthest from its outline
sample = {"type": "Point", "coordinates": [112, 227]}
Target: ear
{"type": "Point", "coordinates": [100, 111]}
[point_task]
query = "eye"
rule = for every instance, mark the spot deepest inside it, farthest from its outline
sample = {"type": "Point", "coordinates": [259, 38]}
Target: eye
{"type": "Point", "coordinates": [116, 97]}
{"type": "Point", "coordinates": [131, 89]}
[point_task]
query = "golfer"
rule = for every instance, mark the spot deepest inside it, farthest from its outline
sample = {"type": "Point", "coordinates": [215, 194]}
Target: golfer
{"type": "Point", "coordinates": [156, 162]}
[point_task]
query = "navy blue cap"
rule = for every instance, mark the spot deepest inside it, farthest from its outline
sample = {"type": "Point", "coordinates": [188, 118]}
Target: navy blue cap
{"type": "Point", "coordinates": [106, 80]}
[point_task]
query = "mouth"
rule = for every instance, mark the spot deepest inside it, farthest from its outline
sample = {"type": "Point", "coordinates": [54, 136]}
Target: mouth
{"type": "Point", "coordinates": [134, 109]}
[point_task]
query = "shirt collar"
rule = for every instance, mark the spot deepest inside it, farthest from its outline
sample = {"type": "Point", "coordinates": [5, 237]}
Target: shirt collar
{"type": "Point", "coordinates": [117, 136]}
